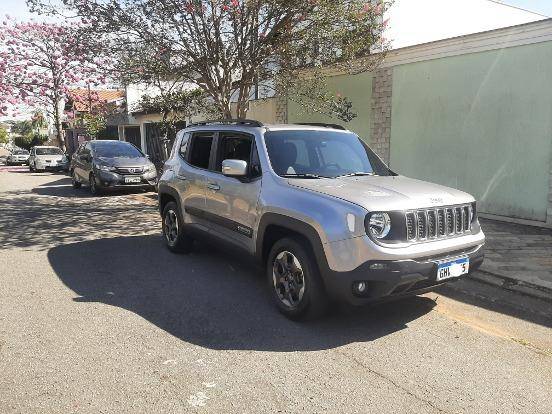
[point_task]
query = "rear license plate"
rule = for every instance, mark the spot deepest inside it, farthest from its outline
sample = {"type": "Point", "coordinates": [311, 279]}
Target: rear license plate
{"type": "Point", "coordinates": [454, 268]}
{"type": "Point", "coordinates": [132, 180]}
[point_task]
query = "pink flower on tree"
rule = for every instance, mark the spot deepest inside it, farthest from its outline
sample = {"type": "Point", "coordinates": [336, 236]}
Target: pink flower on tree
{"type": "Point", "coordinates": [39, 63]}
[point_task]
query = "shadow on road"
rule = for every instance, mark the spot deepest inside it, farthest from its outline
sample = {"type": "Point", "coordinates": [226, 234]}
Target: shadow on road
{"type": "Point", "coordinates": [64, 188]}
{"type": "Point", "coordinates": [57, 214]}
{"type": "Point", "coordinates": [210, 300]}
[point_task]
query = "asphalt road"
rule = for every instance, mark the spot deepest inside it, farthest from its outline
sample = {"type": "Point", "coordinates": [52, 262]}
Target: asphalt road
{"type": "Point", "coordinates": [96, 316]}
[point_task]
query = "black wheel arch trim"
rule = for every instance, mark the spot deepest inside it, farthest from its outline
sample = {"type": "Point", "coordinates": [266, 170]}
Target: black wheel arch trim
{"type": "Point", "coordinates": [165, 189]}
{"type": "Point", "coordinates": [294, 226]}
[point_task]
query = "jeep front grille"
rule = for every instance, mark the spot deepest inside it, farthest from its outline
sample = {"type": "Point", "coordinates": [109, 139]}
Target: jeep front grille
{"type": "Point", "coordinates": [435, 223]}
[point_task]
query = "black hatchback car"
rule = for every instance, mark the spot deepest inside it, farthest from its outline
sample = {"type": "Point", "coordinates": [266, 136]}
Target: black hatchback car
{"type": "Point", "coordinates": [104, 165]}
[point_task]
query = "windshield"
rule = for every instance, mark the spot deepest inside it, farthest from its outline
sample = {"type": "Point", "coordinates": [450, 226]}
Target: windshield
{"type": "Point", "coordinates": [119, 149]}
{"type": "Point", "coordinates": [20, 152]}
{"type": "Point", "coordinates": [49, 151]}
{"type": "Point", "coordinates": [329, 154]}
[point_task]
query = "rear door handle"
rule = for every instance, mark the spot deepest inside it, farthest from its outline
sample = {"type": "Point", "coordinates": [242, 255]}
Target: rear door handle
{"type": "Point", "coordinates": [213, 186]}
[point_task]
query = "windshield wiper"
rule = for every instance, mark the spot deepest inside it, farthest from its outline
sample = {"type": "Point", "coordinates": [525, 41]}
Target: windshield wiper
{"type": "Point", "coordinates": [356, 174]}
{"type": "Point", "coordinates": [306, 175]}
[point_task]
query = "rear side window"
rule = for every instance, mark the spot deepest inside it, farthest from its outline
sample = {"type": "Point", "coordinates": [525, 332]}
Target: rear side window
{"type": "Point", "coordinates": [200, 150]}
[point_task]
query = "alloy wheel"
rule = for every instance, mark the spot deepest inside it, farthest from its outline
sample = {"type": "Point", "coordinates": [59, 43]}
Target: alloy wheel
{"type": "Point", "coordinates": [170, 227]}
{"type": "Point", "coordinates": [288, 279]}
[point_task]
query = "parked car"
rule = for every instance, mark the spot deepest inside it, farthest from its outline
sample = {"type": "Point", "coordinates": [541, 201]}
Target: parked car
{"type": "Point", "coordinates": [104, 165]}
{"type": "Point", "coordinates": [46, 158]}
{"type": "Point", "coordinates": [323, 214]}
{"type": "Point", "coordinates": [18, 157]}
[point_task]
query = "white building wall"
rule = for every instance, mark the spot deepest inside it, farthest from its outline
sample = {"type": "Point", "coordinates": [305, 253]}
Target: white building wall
{"type": "Point", "coordinates": [412, 22]}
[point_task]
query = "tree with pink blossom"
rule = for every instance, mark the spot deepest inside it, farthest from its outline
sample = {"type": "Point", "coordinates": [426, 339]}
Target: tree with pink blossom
{"type": "Point", "coordinates": [40, 62]}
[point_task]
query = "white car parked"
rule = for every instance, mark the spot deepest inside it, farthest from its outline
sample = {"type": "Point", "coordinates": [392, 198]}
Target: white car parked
{"type": "Point", "coordinates": [18, 157]}
{"type": "Point", "coordinates": [45, 158]}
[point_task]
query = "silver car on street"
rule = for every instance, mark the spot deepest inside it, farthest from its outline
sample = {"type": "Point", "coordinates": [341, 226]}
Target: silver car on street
{"type": "Point", "coordinates": [317, 208]}
{"type": "Point", "coordinates": [48, 158]}
{"type": "Point", "coordinates": [18, 157]}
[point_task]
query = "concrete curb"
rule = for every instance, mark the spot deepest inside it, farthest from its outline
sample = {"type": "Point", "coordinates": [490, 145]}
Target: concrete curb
{"type": "Point", "coordinates": [514, 285]}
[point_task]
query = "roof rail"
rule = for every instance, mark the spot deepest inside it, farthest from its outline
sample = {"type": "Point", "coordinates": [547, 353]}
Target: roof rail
{"type": "Point", "coordinates": [241, 122]}
{"type": "Point", "coordinates": [324, 125]}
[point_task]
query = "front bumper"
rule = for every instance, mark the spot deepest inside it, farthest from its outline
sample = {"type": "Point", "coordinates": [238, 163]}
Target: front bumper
{"type": "Point", "coordinates": [107, 180]}
{"type": "Point", "coordinates": [394, 278]}
{"type": "Point", "coordinates": [17, 161]}
{"type": "Point", "coordinates": [50, 166]}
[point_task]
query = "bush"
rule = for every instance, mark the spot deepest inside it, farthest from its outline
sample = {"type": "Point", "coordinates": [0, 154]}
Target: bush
{"type": "Point", "coordinates": [31, 140]}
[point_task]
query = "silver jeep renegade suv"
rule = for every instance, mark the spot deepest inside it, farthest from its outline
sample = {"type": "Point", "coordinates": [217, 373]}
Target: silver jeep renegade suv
{"type": "Point", "coordinates": [324, 215]}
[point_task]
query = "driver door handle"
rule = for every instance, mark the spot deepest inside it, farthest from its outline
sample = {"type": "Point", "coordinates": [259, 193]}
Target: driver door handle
{"type": "Point", "coordinates": [213, 186]}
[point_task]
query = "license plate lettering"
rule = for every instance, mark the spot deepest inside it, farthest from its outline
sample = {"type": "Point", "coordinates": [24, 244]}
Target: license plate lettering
{"type": "Point", "coordinates": [130, 180]}
{"type": "Point", "coordinates": [454, 268]}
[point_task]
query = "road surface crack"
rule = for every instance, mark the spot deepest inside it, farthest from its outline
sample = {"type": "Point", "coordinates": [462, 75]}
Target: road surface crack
{"type": "Point", "coordinates": [391, 381]}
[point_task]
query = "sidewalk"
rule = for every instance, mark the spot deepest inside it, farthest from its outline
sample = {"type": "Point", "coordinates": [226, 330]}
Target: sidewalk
{"type": "Point", "coordinates": [518, 257]}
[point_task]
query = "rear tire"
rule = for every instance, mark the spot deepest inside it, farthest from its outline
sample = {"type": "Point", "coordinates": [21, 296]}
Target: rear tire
{"type": "Point", "coordinates": [176, 239]}
{"type": "Point", "coordinates": [294, 280]}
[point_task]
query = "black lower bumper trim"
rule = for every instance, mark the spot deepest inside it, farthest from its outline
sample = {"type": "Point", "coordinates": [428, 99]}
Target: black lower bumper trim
{"type": "Point", "coordinates": [392, 279]}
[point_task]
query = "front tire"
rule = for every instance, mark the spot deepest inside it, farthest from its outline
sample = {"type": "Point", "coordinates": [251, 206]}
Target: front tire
{"type": "Point", "coordinates": [295, 281]}
{"type": "Point", "coordinates": [173, 230]}
{"type": "Point", "coordinates": [74, 181]}
{"type": "Point", "coordinates": [94, 188]}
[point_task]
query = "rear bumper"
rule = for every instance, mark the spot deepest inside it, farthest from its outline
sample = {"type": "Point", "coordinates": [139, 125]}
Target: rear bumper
{"type": "Point", "coordinates": [394, 278]}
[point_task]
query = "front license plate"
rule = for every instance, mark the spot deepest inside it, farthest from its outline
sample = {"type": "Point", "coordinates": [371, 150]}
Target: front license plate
{"type": "Point", "coordinates": [454, 268]}
{"type": "Point", "coordinates": [132, 180]}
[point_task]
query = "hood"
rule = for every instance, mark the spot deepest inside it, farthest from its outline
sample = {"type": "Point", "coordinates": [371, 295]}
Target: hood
{"type": "Point", "coordinates": [124, 162]}
{"type": "Point", "coordinates": [385, 193]}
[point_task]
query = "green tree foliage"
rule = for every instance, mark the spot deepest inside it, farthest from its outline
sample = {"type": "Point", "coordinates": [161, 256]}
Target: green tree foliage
{"type": "Point", "coordinates": [23, 128]}
{"type": "Point", "coordinates": [94, 124]}
{"type": "Point", "coordinates": [29, 141]}
{"type": "Point", "coordinates": [176, 107]}
{"type": "Point", "coordinates": [28, 133]}
{"type": "Point", "coordinates": [228, 47]}
{"type": "Point", "coordinates": [3, 136]}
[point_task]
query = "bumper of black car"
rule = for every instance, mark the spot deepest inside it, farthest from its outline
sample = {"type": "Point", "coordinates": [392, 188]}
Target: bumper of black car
{"type": "Point", "coordinates": [386, 280]}
{"type": "Point", "coordinates": [109, 180]}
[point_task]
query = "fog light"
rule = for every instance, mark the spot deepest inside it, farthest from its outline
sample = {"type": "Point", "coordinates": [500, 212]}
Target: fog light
{"type": "Point", "coordinates": [361, 287]}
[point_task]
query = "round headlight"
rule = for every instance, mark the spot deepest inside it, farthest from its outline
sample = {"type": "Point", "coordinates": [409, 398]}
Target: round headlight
{"type": "Point", "coordinates": [379, 225]}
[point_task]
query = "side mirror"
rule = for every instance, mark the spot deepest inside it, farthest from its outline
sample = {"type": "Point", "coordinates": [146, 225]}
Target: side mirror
{"type": "Point", "coordinates": [234, 168]}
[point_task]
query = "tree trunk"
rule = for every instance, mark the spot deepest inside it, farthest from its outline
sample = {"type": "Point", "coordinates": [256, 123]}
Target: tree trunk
{"type": "Point", "coordinates": [57, 122]}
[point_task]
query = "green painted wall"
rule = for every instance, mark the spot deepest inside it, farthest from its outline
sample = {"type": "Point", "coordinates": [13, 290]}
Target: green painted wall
{"type": "Point", "coordinates": [479, 122]}
{"type": "Point", "coordinates": [357, 88]}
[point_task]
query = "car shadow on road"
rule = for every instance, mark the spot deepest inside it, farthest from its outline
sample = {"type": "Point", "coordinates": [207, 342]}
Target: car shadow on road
{"type": "Point", "coordinates": [64, 188]}
{"type": "Point", "coordinates": [210, 299]}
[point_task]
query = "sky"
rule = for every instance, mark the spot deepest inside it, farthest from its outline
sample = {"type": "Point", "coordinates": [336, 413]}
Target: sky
{"type": "Point", "coordinates": [18, 8]}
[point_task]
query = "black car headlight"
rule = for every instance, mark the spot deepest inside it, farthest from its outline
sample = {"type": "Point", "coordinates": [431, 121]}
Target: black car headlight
{"type": "Point", "coordinates": [103, 167]}
{"type": "Point", "coordinates": [379, 225]}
